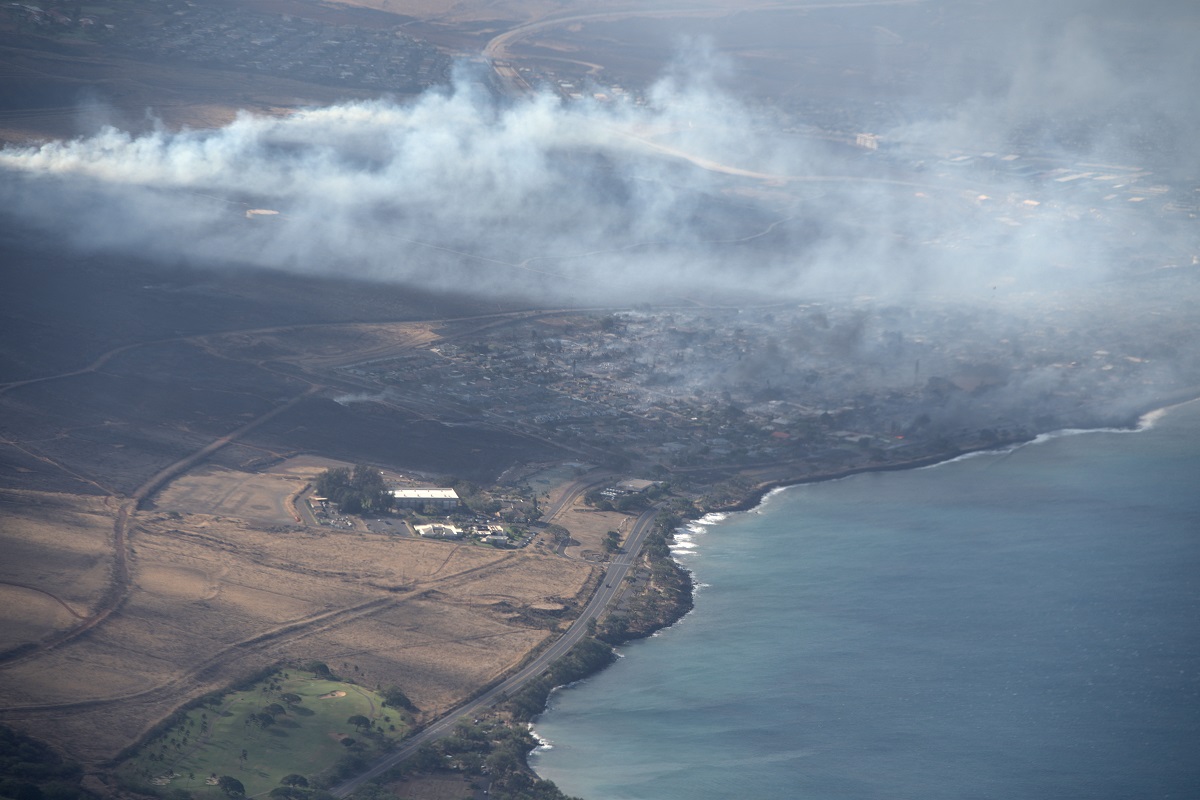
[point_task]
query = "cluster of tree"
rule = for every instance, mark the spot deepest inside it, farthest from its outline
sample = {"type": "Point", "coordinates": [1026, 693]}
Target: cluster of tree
{"type": "Point", "coordinates": [297, 787]}
{"type": "Point", "coordinates": [633, 501]}
{"type": "Point", "coordinates": [360, 491]}
{"type": "Point", "coordinates": [499, 750]}
{"type": "Point", "coordinates": [231, 786]}
{"type": "Point", "coordinates": [558, 535]}
{"type": "Point", "coordinates": [266, 717]}
{"type": "Point", "coordinates": [31, 770]}
{"type": "Point", "coordinates": [474, 499]}
{"type": "Point", "coordinates": [393, 697]}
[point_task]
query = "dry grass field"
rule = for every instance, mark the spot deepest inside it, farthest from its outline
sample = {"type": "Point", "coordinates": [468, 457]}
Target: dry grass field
{"type": "Point", "coordinates": [324, 346]}
{"type": "Point", "coordinates": [589, 528]}
{"type": "Point", "coordinates": [215, 596]}
{"type": "Point", "coordinates": [219, 579]}
{"type": "Point", "coordinates": [225, 493]}
{"type": "Point", "coordinates": [57, 560]}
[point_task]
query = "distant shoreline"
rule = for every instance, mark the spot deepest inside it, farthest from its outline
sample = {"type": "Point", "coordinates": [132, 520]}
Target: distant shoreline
{"type": "Point", "coordinates": [756, 495]}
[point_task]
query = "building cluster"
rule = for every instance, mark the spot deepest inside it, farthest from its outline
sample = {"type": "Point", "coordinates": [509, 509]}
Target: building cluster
{"type": "Point", "coordinates": [834, 386]}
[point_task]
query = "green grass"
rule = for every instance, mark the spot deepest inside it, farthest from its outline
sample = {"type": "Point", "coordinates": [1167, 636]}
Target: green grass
{"type": "Point", "coordinates": [305, 740]}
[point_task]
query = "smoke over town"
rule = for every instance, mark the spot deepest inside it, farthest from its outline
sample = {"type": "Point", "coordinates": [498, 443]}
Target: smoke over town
{"type": "Point", "coordinates": [1044, 183]}
{"type": "Point", "coordinates": [688, 192]}
{"type": "Point", "coordinates": [600, 267]}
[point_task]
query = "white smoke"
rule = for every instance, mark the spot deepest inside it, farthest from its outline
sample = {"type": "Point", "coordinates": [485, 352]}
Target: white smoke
{"type": "Point", "coordinates": [684, 194]}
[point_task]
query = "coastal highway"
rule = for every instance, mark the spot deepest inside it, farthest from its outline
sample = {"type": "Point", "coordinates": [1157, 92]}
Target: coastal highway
{"type": "Point", "coordinates": [608, 589]}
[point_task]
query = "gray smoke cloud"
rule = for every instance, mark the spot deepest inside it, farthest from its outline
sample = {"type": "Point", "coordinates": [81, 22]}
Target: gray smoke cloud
{"type": "Point", "coordinates": [688, 193]}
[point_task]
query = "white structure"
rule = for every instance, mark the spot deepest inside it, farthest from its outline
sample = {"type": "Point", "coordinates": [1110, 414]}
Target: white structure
{"type": "Point", "coordinates": [439, 532]}
{"type": "Point", "coordinates": [442, 499]}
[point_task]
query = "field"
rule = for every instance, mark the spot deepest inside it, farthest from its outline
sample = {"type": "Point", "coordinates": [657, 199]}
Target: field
{"type": "Point", "coordinates": [215, 433]}
{"type": "Point", "coordinates": [305, 737]}
{"type": "Point", "coordinates": [57, 559]}
{"type": "Point", "coordinates": [226, 493]}
{"type": "Point", "coordinates": [219, 579]}
{"type": "Point", "coordinates": [214, 598]}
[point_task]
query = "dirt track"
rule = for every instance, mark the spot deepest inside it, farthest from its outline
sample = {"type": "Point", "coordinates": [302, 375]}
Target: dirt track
{"type": "Point", "coordinates": [191, 600]}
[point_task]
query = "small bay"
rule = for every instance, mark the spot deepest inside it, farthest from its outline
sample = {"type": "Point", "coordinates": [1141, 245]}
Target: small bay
{"type": "Point", "coordinates": [1015, 624]}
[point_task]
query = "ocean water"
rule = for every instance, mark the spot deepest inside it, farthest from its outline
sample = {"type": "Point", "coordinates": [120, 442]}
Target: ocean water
{"type": "Point", "coordinates": [1007, 625]}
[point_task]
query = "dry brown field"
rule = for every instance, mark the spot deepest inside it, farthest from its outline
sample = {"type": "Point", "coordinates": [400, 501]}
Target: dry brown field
{"type": "Point", "coordinates": [57, 559]}
{"type": "Point", "coordinates": [589, 529]}
{"type": "Point", "coordinates": [227, 493]}
{"type": "Point", "coordinates": [214, 597]}
{"type": "Point", "coordinates": [324, 346]}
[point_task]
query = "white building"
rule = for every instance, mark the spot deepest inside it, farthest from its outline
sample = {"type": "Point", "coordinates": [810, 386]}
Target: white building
{"type": "Point", "coordinates": [442, 499]}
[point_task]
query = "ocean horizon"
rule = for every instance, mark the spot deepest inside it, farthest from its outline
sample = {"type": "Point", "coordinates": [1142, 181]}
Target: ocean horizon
{"type": "Point", "coordinates": [1013, 623]}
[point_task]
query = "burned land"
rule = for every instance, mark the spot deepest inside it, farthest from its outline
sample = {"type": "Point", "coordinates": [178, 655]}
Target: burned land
{"type": "Point", "coordinates": [583, 282]}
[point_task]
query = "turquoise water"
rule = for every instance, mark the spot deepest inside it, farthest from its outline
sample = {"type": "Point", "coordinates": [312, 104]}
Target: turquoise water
{"type": "Point", "coordinates": [1009, 625]}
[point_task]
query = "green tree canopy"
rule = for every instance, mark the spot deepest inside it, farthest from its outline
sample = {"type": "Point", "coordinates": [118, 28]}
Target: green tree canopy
{"type": "Point", "coordinates": [360, 491]}
{"type": "Point", "coordinates": [395, 698]}
{"type": "Point", "coordinates": [231, 786]}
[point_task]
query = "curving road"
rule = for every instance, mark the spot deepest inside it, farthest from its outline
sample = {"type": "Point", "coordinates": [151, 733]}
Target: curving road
{"type": "Point", "coordinates": [604, 595]}
{"type": "Point", "coordinates": [497, 47]}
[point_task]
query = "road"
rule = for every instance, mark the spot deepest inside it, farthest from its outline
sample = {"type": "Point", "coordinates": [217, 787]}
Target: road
{"type": "Point", "coordinates": [121, 580]}
{"type": "Point", "coordinates": [572, 492]}
{"type": "Point", "coordinates": [497, 47]}
{"type": "Point", "coordinates": [604, 595]}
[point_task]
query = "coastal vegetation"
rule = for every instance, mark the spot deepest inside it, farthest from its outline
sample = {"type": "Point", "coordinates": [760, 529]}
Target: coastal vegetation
{"type": "Point", "coordinates": [663, 592]}
{"type": "Point", "coordinates": [584, 659]}
{"type": "Point", "coordinates": [488, 752]}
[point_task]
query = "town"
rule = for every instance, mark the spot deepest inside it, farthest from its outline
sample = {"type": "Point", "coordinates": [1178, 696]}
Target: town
{"type": "Point", "coordinates": [706, 394]}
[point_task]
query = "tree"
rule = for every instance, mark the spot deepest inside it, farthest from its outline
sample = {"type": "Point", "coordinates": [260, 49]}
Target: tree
{"type": "Point", "coordinates": [360, 491]}
{"type": "Point", "coordinates": [290, 698]}
{"type": "Point", "coordinates": [426, 759]}
{"type": "Point", "coordinates": [319, 668]}
{"type": "Point", "coordinates": [294, 779]}
{"type": "Point", "coordinates": [612, 541]}
{"type": "Point", "coordinates": [395, 698]}
{"type": "Point", "coordinates": [359, 721]}
{"type": "Point", "coordinates": [231, 786]}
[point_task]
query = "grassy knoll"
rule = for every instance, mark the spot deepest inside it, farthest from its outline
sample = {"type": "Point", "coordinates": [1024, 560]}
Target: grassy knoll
{"type": "Point", "coordinates": [293, 722]}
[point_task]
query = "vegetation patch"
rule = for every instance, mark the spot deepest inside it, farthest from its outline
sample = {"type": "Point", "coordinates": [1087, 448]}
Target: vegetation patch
{"type": "Point", "coordinates": [664, 592]}
{"type": "Point", "coordinates": [32, 770]}
{"type": "Point", "coordinates": [486, 754]}
{"type": "Point", "coordinates": [280, 735]}
{"type": "Point", "coordinates": [584, 659]}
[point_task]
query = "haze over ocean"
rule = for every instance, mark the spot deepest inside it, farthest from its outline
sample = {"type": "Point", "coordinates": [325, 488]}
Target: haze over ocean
{"type": "Point", "coordinates": [1020, 624]}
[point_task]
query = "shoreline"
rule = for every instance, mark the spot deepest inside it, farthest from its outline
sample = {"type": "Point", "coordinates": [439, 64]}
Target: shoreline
{"type": "Point", "coordinates": [1143, 416]}
{"type": "Point", "coordinates": [759, 493]}
{"type": "Point", "coordinates": [1093, 464]}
